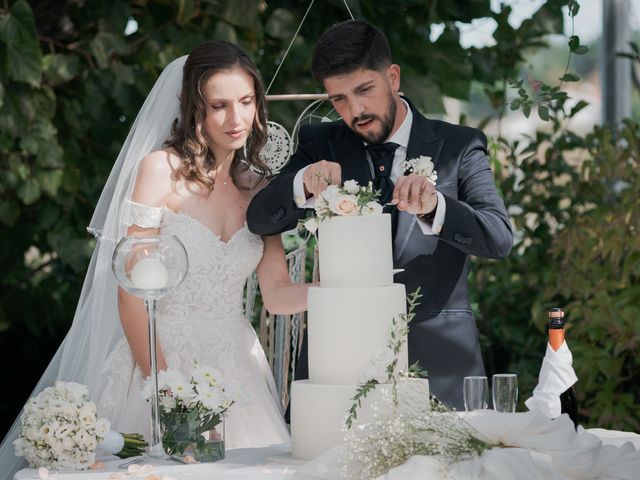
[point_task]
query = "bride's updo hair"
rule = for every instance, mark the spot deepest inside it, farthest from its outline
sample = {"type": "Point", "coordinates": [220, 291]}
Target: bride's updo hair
{"type": "Point", "coordinates": [187, 133]}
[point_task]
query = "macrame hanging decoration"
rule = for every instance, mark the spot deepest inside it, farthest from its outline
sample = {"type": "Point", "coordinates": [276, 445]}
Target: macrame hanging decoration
{"type": "Point", "coordinates": [280, 144]}
{"type": "Point", "coordinates": [278, 148]}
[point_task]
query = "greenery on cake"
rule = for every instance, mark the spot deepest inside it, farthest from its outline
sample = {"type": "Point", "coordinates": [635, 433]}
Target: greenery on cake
{"type": "Point", "coordinates": [383, 368]}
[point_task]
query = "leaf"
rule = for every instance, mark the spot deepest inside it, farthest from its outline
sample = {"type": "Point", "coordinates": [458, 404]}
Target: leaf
{"type": "Point", "coordinates": [578, 107]}
{"type": "Point", "coordinates": [526, 110]}
{"type": "Point", "coordinates": [50, 181]}
{"type": "Point", "coordinates": [574, 42]}
{"type": "Point", "coordinates": [281, 24]}
{"type": "Point", "coordinates": [543, 113]}
{"type": "Point", "coordinates": [632, 56]}
{"type": "Point", "coordinates": [187, 11]}
{"type": "Point", "coordinates": [570, 77]}
{"type": "Point", "coordinates": [574, 8]}
{"type": "Point", "coordinates": [9, 212]}
{"type": "Point", "coordinates": [515, 104]}
{"type": "Point", "coordinates": [105, 44]}
{"type": "Point", "coordinates": [24, 58]}
{"type": "Point", "coordinates": [1, 94]}
{"type": "Point", "coordinates": [581, 50]}
{"type": "Point", "coordinates": [60, 68]}
{"type": "Point", "coordinates": [29, 191]}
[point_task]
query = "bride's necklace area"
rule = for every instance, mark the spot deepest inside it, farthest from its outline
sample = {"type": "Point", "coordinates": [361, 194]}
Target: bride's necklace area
{"type": "Point", "coordinates": [224, 181]}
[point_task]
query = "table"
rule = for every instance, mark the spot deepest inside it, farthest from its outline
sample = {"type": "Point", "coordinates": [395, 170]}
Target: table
{"type": "Point", "coordinates": [268, 463]}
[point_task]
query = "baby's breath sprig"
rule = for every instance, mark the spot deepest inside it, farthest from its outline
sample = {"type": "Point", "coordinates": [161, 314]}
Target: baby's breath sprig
{"type": "Point", "coordinates": [415, 426]}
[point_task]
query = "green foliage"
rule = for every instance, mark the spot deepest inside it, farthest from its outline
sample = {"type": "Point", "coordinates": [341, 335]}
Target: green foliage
{"type": "Point", "coordinates": [573, 201]}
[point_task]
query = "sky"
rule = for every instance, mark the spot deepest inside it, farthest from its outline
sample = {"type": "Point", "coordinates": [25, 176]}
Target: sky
{"type": "Point", "coordinates": [588, 22]}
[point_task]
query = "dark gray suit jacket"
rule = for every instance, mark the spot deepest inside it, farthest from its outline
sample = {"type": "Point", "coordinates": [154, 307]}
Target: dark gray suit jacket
{"type": "Point", "coordinates": [443, 335]}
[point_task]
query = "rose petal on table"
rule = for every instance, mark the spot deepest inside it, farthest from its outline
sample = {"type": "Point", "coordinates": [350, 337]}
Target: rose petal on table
{"type": "Point", "coordinates": [117, 476]}
{"type": "Point", "coordinates": [97, 465]}
{"type": "Point", "coordinates": [43, 472]}
{"type": "Point", "coordinates": [189, 459]}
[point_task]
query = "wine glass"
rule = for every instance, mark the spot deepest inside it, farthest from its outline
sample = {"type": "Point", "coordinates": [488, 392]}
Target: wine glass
{"type": "Point", "coordinates": [149, 266]}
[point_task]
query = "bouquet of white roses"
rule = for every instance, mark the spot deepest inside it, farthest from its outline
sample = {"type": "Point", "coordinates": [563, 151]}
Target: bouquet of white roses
{"type": "Point", "coordinates": [60, 428]}
{"type": "Point", "coordinates": [351, 199]}
{"type": "Point", "coordinates": [190, 410]}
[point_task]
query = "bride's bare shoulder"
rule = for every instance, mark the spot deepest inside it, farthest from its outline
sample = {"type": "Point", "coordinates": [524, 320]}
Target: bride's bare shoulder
{"type": "Point", "coordinates": [155, 180]}
{"type": "Point", "coordinates": [160, 163]}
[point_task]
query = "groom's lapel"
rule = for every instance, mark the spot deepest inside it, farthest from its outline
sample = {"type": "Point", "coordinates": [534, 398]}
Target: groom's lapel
{"type": "Point", "coordinates": [422, 141]}
{"type": "Point", "coordinates": [348, 150]}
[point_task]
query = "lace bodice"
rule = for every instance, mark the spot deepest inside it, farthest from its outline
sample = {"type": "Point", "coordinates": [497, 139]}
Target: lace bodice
{"type": "Point", "coordinates": [217, 270]}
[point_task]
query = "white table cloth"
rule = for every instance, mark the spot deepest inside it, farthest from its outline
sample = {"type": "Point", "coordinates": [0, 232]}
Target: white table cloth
{"type": "Point", "coordinates": [255, 464]}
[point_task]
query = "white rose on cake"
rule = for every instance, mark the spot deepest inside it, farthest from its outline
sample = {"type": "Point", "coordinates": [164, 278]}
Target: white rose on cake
{"type": "Point", "coordinates": [351, 187]}
{"type": "Point", "coordinates": [377, 368]}
{"type": "Point", "coordinates": [371, 208]}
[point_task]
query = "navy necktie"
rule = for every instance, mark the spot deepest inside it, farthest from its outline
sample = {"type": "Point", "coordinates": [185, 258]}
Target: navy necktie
{"type": "Point", "coordinates": [382, 158]}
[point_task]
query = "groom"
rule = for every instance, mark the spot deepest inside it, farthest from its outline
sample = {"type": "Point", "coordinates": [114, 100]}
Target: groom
{"type": "Point", "coordinates": [435, 229]}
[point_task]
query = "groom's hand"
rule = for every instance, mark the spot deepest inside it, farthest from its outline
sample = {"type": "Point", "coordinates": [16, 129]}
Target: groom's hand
{"type": "Point", "coordinates": [318, 176]}
{"type": "Point", "coordinates": [415, 194]}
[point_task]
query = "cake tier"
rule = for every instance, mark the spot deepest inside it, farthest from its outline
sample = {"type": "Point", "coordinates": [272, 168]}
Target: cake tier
{"type": "Point", "coordinates": [356, 251]}
{"type": "Point", "coordinates": [348, 328]}
{"type": "Point", "coordinates": [318, 413]}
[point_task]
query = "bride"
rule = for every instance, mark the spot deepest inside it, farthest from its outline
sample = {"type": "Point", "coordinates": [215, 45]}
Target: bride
{"type": "Point", "coordinates": [189, 167]}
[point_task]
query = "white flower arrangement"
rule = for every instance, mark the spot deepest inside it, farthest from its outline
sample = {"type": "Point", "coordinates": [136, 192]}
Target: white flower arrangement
{"type": "Point", "coordinates": [190, 406]}
{"type": "Point", "coordinates": [60, 428]}
{"type": "Point", "coordinates": [422, 166]}
{"type": "Point", "coordinates": [351, 199]}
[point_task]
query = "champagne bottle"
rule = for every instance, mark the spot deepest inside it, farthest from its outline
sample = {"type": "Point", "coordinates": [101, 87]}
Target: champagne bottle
{"type": "Point", "coordinates": [555, 331]}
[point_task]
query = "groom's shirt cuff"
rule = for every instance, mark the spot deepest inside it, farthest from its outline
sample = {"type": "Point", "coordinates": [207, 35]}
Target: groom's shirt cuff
{"type": "Point", "coordinates": [299, 197]}
{"type": "Point", "coordinates": [436, 227]}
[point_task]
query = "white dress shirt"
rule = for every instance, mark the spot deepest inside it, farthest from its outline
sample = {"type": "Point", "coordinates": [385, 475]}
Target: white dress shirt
{"type": "Point", "coordinates": [400, 137]}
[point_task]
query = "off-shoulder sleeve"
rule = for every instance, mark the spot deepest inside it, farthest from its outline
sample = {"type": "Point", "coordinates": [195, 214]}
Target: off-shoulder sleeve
{"type": "Point", "coordinates": [143, 215]}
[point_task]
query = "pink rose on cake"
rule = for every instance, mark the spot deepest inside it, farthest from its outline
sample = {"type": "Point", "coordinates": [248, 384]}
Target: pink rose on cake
{"type": "Point", "coordinates": [344, 205]}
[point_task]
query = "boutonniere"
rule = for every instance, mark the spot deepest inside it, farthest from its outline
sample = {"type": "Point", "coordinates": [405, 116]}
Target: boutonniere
{"type": "Point", "coordinates": [422, 166]}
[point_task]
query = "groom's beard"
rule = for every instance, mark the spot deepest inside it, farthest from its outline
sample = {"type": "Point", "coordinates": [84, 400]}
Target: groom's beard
{"type": "Point", "coordinates": [386, 123]}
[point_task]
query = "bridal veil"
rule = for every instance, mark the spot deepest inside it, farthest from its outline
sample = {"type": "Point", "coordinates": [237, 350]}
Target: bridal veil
{"type": "Point", "coordinates": [96, 324]}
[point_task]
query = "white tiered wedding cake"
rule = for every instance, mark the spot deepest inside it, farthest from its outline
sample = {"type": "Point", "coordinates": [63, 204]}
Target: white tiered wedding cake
{"type": "Point", "coordinates": [349, 323]}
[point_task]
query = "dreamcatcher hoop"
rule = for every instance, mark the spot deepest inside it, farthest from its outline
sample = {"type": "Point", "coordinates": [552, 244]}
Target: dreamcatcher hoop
{"type": "Point", "coordinates": [278, 148]}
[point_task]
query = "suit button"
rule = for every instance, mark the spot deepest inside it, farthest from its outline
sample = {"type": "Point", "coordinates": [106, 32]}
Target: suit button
{"type": "Point", "coordinates": [278, 214]}
{"type": "Point", "coordinates": [462, 239]}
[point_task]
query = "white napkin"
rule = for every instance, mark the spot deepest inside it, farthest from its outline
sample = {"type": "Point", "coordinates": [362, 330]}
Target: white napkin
{"type": "Point", "coordinates": [556, 375]}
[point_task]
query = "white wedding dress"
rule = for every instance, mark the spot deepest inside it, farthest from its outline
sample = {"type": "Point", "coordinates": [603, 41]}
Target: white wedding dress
{"type": "Point", "coordinates": [202, 320]}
